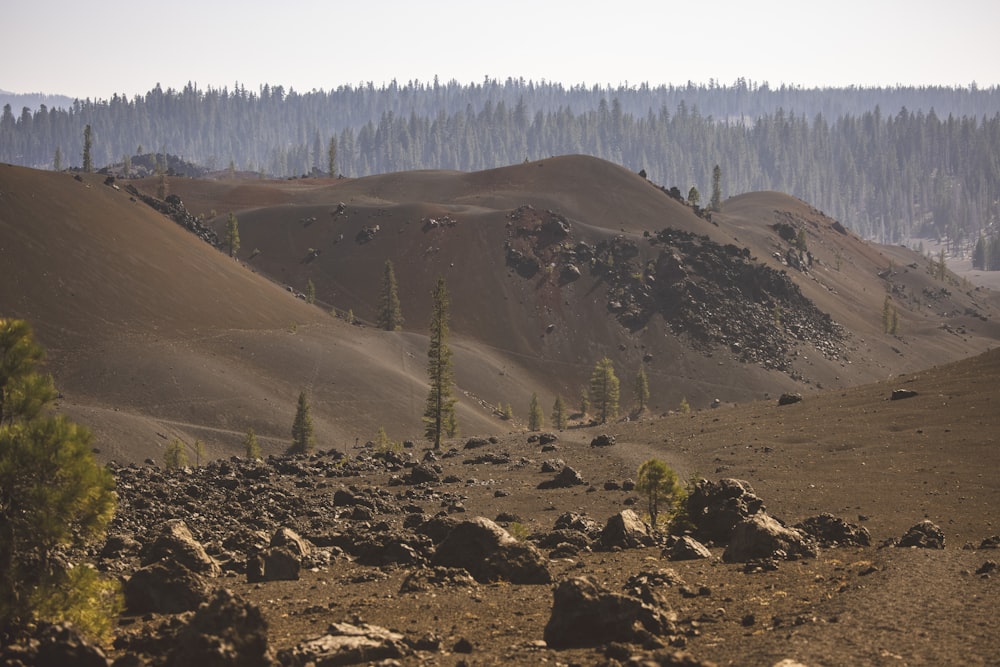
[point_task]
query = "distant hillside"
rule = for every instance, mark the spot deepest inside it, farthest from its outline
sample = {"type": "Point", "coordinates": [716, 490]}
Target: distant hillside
{"type": "Point", "coordinates": [889, 163]}
{"type": "Point", "coordinates": [551, 265]}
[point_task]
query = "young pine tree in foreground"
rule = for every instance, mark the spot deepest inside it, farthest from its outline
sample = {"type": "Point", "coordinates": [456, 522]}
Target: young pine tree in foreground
{"type": "Point", "coordinates": [439, 413]}
{"type": "Point", "coordinates": [52, 495]}
{"type": "Point", "coordinates": [251, 448]}
{"type": "Point", "coordinates": [233, 234]}
{"type": "Point", "coordinates": [658, 483]}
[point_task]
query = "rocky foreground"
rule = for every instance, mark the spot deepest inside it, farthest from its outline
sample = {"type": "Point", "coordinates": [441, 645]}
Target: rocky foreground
{"type": "Point", "coordinates": [495, 551]}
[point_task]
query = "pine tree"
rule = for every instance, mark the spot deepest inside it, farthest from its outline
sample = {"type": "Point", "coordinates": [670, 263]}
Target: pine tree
{"type": "Point", "coordinates": [641, 390]}
{"type": "Point", "coordinates": [199, 452]}
{"type": "Point", "coordinates": [694, 196]}
{"type": "Point", "coordinates": [331, 156]}
{"type": "Point", "coordinates": [57, 160]}
{"type": "Point", "coordinates": [233, 234]}
{"type": "Point", "coordinates": [52, 494]}
{"type": "Point", "coordinates": [716, 203]}
{"type": "Point", "coordinates": [390, 315]}
{"type": "Point", "coordinates": [559, 418]}
{"type": "Point", "coordinates": [439, 414]}
{"type": "Point", "coordinates": [88, 165]}
{"type": "Point", "coordinates": [604, 390]}
{"type": "Point", "coordinates": [174, 455]}
{"type": "Point", "coordinates": [584, 401]}
{"type": "Point", "coordinates": [303, 440]}
{"type": "Point", "coordinates": [658, 482]}
{"type": "Point", "coordinates": [251, 448]}
{"type": "Point", "coordinates": [310, 291]}
{"type": "Point", "coordinates": [536, 420]}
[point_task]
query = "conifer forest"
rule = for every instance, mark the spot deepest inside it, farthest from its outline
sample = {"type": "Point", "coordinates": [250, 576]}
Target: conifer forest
{"type": "Point", "coordinates": [893, 164]}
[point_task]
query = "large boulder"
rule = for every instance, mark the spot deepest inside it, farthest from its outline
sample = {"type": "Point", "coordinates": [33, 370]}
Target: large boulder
{"type": "Point", "coordinates": [761, 536]}
{"type": "Point", "coordinates": [274, 564]}
{"type": "Point", "coordinates": [585, 614]}
{"type": "Point", "coordinates": [225, 632]}
{"type": "Point", "coordinates": [831, 531]}
{"type": "Point", "coordinates": [489, 553]}
{"type": "Point", "coordinates": [165, 587]}
{"type": "Point", "coordinates": [564, 479]}
{"type": "Point", "coordinates": [687, 548]}
{"type": "Point", "coordinates": [924, 535]}
{"type": "Point", "coordinates": [716, 508]}
{"type": "Point", "coordinates": [625, 530]}
{"type": "Point", "coordinates": [346, 644]}
{"type": "Point", "coordinates": [174, 542]}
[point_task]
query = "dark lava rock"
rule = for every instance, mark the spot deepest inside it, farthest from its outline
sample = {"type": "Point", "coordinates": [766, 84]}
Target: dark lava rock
{"type": "Point", "coordinates": [829, 531]}
{"type": "Point", "coordinates": [899, 394]}
{"type": "Point", "coordinates": [688, 548]}
{"type": "Point", "coordinates": [625, 530]}
{"type": "Point", "coordinates": [566, 478]}
{"type": "Point", "coordinates": [174, 542]}
{"type": "Point", "coordinates": [584, 614]}
{"type": "Point", "coordinates": [428, 578]}
{"type": "Point", "coordinates": [789, 399]}
{"type": "Point", "coordinates": [164, 588]}
{"type": "Point", "coordinates": [924, 535]}
{"type": "Point", "coordinates": [490, 553]}
{"type": "Point", "coordinates": [53, 646]}
{"type": "Point", "coordinates": [715, 509]}
{"type": "Point", "coordinates": [346, 644]}
{"type": "Point", "coordinates": [274, 564]}
{"type": "Point", "coordinates": [762, 536]}
{"type": "Point", "coordinates": [226, 632]}
{"type": "Point", "coordinates": [603, 440]}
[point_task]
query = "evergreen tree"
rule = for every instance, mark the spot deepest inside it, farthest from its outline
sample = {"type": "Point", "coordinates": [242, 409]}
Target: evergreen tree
{"type": "Point", "coordinates": [52, 495]}
{"type": "Point", "coordinates": [584, 401]}
{"type": "Point", "coordinates": [716, 203]}
{"type": "Point", "coordinates": [536, 420]}
{"type": "Point", "coordinates": [57, 160]}
{"type": "Point", "coordinates": [199, 452]}
{"type": "Point", "coordinates": [331, 156]}
{"type": "Point", "coordinates": [979, 255]}
{"type": "Point", "coordinates": [559, 418]}
{"type": "Point", "coordinates": [174, 455]}
{"type": "Point", "coordinates": [303, 440]}
{"type": "Point", "coordinates": [641, 390]}
{"type": "Point", "coordinates": [310, 291]}
{"type": "Point", "coordinates": [694, 196]}
{"type": "Point", "coordinates": [658, 482]}
{"type": "Point", "coordinates": [390, 314]}
{"type": "Point", "coordinates": [88, 165]}
{"type": "Point", "coordinates": [251, 448]}
{"type": "Point", "coordinates": [439, 414]}
{"type": "Point", "coordinates": [233, 234]}
{"type": "Point", "coordinates": [604, 390]}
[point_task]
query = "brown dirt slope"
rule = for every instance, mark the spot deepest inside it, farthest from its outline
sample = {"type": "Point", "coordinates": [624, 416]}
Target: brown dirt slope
{"type": "Point", "coordinates": [153, 334]}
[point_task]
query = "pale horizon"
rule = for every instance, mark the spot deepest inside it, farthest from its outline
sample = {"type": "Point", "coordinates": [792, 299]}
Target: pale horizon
{"type": "Point", "coordinates": [98, 50]}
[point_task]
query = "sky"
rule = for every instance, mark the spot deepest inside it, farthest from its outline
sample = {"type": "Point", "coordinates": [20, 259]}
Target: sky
{"type": "Point", "coordinates": [97, 49]}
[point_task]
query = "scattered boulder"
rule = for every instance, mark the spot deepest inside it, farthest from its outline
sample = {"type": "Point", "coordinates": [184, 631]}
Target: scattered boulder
{"type": "Point", "coordinates": [603, 440]}
{"type": "Point", "coordinates": [286, 537]}
{"type": "Point", "coordinates": [899, 394]}
{"type": "Point", "coordinates": [831, 531]}
{"type": "Point", "coordinates": [423, 473]}
{"type": "Point", "coordinates": [225, 632]}
{"type": "Point", "coordinates": [274, 564]}
{"type": "Point", "coordinates": [547, 438]}
{"type": "Point", "coordinates": [165, 587]}
{"type": "Point", "coordinates": [687, 548]}
{"type": "Point", "coordinates": [566, 478]}
{"type": "Point", "coordinates": [924, 535]}
{"type": "Point", "coordinates": [174, 542]}
{"type": "Point", "coordinates": [490, 553]}
{"type": "Point", "coordinates": [761, 536]}
{"type": "Point", "coordinates": [346, 644]}
{"type": "Point", "coordinates": [626, 531]}
{"type": "Point", "coordinates": [429, 578]}
{"type": "Point", "coordinates": [716, 508]}
{"type": "Point", "coordinates": [585, 614]}
{"type": "Point", "coordinates": [53, 646]}
{"type": "Point", "coordinates": [789, 399]}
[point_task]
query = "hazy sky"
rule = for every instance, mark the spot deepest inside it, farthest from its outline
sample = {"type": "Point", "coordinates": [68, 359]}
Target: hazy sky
{"type": "Point", "coordinates": [94, 49]}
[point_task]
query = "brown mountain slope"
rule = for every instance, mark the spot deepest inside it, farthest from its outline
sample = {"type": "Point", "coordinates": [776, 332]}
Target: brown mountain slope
{"type": "Point", "coordinates": [153, 334]}
{"type": "Point", "coordinates": [462, 226]}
